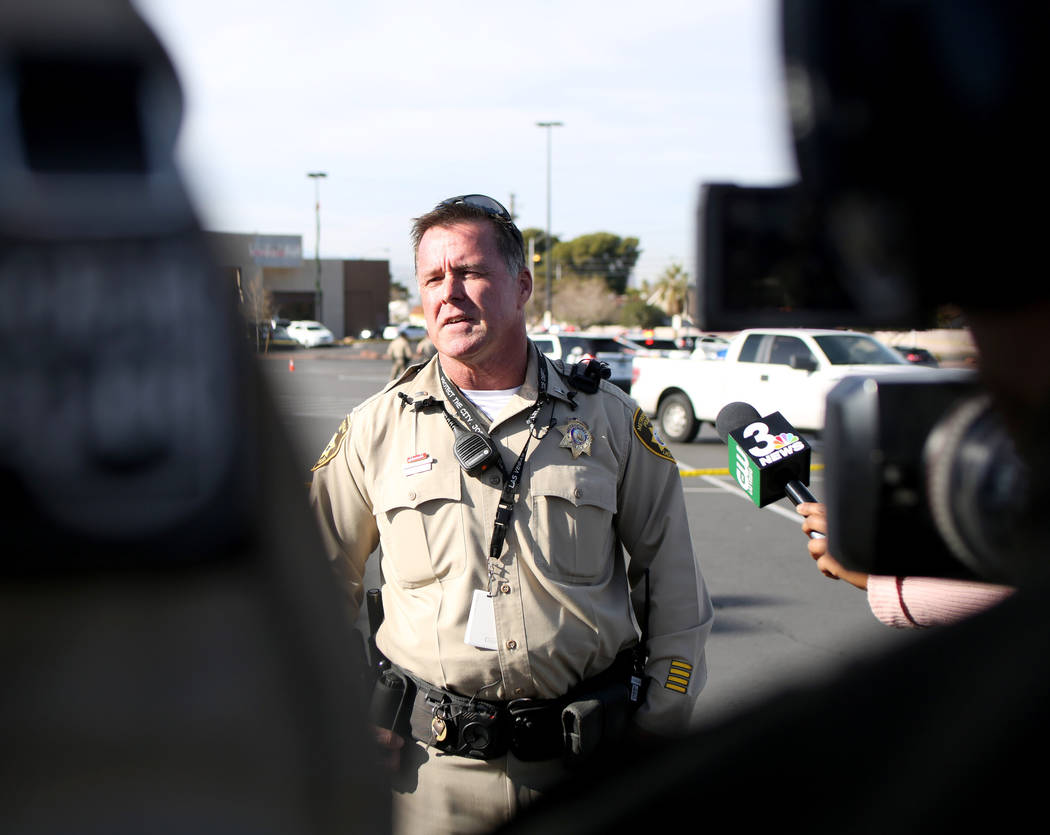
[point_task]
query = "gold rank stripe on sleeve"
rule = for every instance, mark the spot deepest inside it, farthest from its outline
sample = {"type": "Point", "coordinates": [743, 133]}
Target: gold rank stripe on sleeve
{"type": "Point", "coordinates": [678, 676]}
{"type": "Point", "coordinates": [646, 433]}
{"type": "Point", "coordinates": [332, 449]}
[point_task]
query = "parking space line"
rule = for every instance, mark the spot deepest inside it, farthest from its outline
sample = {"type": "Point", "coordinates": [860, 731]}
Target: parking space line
{"type": "Point", "coordinates": [731, 487]}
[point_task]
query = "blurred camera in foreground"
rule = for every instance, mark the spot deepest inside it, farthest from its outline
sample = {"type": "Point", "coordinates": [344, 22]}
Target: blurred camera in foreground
{"type": "Point", "coordinates": [913, 132]}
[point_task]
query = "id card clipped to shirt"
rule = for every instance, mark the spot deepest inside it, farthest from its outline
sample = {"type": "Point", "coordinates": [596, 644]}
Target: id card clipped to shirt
{"type": "Point", "coordinates": [481, 623]}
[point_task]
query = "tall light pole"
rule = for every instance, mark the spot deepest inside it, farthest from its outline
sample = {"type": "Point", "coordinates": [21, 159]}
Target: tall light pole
{"type": "Point", "coordinates": [550, 245]}
{"type": "Point", "coordinates": [317, 176]}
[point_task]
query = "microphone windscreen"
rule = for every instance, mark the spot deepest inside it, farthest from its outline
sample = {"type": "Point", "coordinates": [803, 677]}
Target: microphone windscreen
{"type": "Point", "coordinates": [733, 416]}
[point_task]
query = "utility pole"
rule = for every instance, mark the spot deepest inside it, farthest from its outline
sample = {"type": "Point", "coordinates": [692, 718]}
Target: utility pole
{"type": "Point", "coordinates": [317, 176]}
{"type": "Point", "coordinates": [550, 244]}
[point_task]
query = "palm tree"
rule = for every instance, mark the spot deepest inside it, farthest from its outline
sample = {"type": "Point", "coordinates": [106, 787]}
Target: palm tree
{"type": "Point", "coordinates": [671, 290]}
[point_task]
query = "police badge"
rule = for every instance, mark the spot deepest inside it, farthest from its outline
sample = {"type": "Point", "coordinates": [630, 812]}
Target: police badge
{"type": "Point", "coordinates": [576, 437]}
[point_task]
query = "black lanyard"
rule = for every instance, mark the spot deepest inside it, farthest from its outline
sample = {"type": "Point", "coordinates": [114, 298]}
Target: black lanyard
{"type": "Point", "coordinates": [468, 414]}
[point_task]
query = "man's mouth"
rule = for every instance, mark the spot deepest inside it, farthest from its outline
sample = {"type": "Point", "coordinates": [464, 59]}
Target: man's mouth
{"type": "Point", "coordinates": [455, 320]}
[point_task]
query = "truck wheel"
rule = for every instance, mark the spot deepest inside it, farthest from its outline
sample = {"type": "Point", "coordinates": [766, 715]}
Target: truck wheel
{"type": "Point", "coordinates": [676, 420]}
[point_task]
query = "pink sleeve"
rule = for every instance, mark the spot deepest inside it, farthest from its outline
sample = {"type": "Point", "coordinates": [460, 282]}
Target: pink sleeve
{"type": "Point", "coordinates": [910, 602]}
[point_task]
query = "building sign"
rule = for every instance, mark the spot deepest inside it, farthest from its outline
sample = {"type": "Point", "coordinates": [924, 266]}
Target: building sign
{"type": "Point", "coordinates": [277, 250]}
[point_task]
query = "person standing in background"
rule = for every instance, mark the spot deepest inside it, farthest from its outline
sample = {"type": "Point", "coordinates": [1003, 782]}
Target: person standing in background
{"type": "Point", "coordinates": [400, 353]}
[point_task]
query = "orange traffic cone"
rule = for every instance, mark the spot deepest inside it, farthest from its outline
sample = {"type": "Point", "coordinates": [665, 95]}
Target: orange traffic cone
{"type": "Point", "coordinates": [291, 365]}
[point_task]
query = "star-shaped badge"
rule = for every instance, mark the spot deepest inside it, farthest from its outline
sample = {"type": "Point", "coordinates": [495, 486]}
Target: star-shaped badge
{"type": "Point", "coordinates": [576, 437]}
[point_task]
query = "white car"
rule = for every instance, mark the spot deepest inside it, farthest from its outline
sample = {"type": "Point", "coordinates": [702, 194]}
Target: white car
{"type": "Point", "coordinates": [310, 334]}
{"type": "Point", "coordinates": [574, 346]}
{"type": "Point", "coordinates": [411, 332]}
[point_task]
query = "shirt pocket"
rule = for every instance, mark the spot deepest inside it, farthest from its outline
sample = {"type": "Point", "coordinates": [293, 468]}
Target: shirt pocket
{"type": "Point", "coordinates": [421, 528]}
{"type": "Point", "coordinates": [572, 523]}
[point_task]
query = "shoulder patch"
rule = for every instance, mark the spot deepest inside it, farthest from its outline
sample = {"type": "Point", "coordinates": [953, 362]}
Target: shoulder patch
{"type": "Point", "coordinates": [332, 449]}
{"type": "Point", "coordinates": [646, 433]}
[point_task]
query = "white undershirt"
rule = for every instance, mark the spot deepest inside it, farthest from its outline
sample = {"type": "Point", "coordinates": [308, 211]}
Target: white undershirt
{"type": "Point", "coordinates": [490, 401]}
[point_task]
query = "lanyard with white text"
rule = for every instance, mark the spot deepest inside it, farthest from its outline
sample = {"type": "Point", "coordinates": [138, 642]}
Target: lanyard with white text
{"type": "Point", "coordinates": [469, 416]}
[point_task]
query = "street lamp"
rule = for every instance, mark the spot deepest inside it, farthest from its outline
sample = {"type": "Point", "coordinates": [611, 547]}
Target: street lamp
{"type": "Point", "coordinates": [550, 244]}
{"type": "Point", "coordinates": [316, 176]}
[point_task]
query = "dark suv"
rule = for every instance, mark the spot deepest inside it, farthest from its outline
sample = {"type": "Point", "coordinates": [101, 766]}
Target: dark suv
{"type": "Point", "coordinates": [573, 347]}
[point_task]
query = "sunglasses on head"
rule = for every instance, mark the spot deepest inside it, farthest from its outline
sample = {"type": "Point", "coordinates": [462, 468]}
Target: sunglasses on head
{"type": "Point", "coordinates": [480, 201]}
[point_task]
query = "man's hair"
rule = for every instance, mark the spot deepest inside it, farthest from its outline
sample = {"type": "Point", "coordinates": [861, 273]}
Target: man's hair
{"type": "Point", "coordinates": [509, 241]}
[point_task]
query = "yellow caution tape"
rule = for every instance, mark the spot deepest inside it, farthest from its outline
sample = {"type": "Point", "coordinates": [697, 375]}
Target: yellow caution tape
{"type": "Point", "coordinates": [725, 471]}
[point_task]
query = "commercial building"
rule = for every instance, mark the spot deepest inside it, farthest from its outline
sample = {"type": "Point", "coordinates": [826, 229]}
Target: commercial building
{"type": "Point", "coordinates": [276, 281]}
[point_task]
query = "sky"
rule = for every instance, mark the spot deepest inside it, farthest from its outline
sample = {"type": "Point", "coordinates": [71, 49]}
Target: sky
{"type": "Point", "coordinates": [405, 104]}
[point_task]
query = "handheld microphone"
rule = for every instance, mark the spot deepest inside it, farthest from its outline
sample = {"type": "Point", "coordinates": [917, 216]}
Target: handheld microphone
{"type": "Point", "coordinates": [768, 459]}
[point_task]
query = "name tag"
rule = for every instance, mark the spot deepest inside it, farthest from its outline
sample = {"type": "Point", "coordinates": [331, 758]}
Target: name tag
{"type": "Point", "coordinates": [419, 463]}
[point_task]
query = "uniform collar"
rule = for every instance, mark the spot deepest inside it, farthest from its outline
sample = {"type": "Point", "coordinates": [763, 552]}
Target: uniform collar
{"type": "Point", "coordinates": [529, 390]}
{"type": "Point", "coordinates": [427, 381]}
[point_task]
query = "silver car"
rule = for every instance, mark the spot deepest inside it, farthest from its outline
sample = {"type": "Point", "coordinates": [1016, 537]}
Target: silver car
{"type": "Point", "coordinates": [573, 347]}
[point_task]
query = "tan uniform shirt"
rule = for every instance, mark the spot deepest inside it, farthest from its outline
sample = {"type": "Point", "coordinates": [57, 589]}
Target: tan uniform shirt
{"type": "Point", "coordinates": [562, 598]}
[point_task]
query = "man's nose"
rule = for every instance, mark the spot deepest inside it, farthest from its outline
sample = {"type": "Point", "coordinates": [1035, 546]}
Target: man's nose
{"type": "Point", "coordinates": [451, 287]}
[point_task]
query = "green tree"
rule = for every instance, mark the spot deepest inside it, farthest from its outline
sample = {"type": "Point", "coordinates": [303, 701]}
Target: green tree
{"type": "Point", "coordinates": [539, 237]}
{"type": "Point", "coordinates": [599, 254]}
{"type": "Point", "coordinates": [637, 313]}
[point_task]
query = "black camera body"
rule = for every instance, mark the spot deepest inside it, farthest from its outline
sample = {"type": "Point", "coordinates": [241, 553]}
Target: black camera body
{"type": "Point", "coordinates": [912, 129]}
{"type": "Point", "coordinates": [923, 479]}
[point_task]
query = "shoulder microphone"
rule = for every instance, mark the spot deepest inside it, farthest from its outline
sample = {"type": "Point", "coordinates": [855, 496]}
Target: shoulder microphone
{"type": "Point", "coordinates": [768, 459]}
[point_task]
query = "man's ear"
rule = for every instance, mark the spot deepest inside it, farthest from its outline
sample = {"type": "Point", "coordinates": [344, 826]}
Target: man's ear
{"type": "Point", "coordinates": [525, 285]}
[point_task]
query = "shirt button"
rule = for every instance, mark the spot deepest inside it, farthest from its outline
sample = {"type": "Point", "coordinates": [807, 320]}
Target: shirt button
{"type": "Point", "coordinates": [494, 480]}
{"type": "Point", "coordinates": [518, 691]}
{"type": "Point", "coordinates": [411, 495]}
{"type": "Point", "coordinates": [577, 492]}
{"type": "Point", "coordinates": [512, 644]}
{"type": "Point", "coordinates": [505, 588]}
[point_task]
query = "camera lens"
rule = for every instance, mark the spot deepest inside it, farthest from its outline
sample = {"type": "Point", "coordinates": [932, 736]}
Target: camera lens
{"type": "Point", "coordinates": [977, 487]}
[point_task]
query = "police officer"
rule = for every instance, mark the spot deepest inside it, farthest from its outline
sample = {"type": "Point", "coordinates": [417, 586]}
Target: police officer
{"type": "Point", "coordinates": [399, 352]}
{"type": "Point", "coordinates": [516, 504]}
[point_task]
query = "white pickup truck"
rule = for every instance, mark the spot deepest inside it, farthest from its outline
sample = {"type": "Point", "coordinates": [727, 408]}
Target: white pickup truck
{"type": "Point", "coordinates": [775, 370]}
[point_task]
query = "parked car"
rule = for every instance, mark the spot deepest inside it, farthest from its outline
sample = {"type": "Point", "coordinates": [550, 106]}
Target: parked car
{"type": "Point", "coordinates": [310, 334]}
{"type": "Point", "coordinates": [652, 346]}
{"type": "Point", "coordinates": [918, 356]}
{"type": "Point", "coordinates": [790, 370]}
{"type": "Point", "coordinates": [411, 332]}
{"type": "Point", "coordinates": [278, 337]}
{"type": "Point", "coordinates": [573, 347]}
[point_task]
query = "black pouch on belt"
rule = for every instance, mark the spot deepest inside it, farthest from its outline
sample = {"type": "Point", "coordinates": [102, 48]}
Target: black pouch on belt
{"type": "Point", "coordinates": [535, 729]}
{"type": "Point", "coordinates": [595, 719]}
{"type": "Point", "coordinates": [392, 699]}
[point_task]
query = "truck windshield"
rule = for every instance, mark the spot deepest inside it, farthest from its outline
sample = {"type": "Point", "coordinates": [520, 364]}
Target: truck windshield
{"type": "Point", "coordinates": [857, 349]}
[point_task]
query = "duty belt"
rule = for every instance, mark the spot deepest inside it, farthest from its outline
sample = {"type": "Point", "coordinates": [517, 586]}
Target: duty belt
{"type": "Point", "coordinates": [532, 729]}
